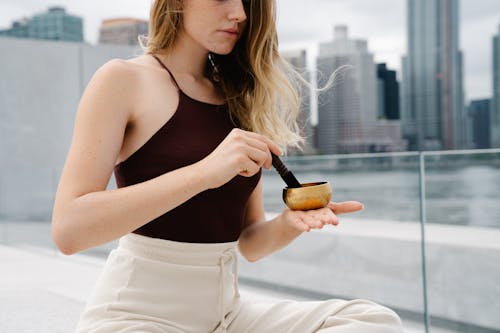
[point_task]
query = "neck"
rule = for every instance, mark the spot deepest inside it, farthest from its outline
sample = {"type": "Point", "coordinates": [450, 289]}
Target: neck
{"type": "Point", "coordinates": [186, 57]}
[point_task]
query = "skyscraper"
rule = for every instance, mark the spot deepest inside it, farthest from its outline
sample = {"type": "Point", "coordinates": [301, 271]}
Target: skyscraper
{"type": "Point", "coordinates": [55, 24]}
{"type": "Point", "coordinates": [122, 31]}
{"type": "Point", "coordinates": [495, 109]}
{"type": "Point", "coordinates": [388, 91]}
{"type": "Point", "coordinates": [343, 109]}
{"type": "Point", "coordinates": [480, 113]}
{"type": "Point", "coordinates": [298, 60]}
{"type": "Point", "coordinates": [433, 107]}
{"type": "Point", "coordinates": [347, 112]}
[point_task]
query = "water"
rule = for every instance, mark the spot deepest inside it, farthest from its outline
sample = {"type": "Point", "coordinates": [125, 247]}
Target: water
{"type": "Point", "coordinates": [462, 196]}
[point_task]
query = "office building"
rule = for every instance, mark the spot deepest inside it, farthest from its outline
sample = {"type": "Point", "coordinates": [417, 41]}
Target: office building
{"type": "Point", "coordinates": [388, 93]}
{"type": "Point", "coordinates": [123, 31]}
{"type": "Point", "coordinates": [433, 107]}
{"type": "Point", "coordinates": [347, 112]}
{"type": "Point", "coordinates": [298, 60]}
{"type": "Point", "coordinates": [55, 24]}
{"type": "Point", "coordinates": [479, 111]}
{"type": "Point", "coordinates": [19, 29]}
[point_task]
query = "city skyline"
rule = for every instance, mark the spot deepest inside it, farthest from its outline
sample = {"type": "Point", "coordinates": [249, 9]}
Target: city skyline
{"type": "Point", "coordinates": [386, 37]}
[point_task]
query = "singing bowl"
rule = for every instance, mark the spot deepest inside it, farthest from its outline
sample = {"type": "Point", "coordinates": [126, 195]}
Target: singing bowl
{"type": "Point", "coordinates": [309, 196]}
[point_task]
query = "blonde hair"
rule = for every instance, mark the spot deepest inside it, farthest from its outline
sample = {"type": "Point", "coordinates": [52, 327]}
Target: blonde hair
{"type": "Point", "coordinates": [260, 87]}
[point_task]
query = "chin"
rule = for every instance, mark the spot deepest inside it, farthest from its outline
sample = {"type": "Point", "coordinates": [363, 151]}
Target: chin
{"type": "Point", "coordinates": [222, 50]}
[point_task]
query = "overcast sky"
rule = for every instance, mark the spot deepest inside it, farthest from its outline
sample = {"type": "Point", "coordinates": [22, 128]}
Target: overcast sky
{"type": "Point", "coordinates": [381, 22]}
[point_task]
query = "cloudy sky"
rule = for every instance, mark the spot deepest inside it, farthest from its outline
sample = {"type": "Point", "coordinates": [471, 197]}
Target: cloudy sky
{"type": "Point", "coordinates": [381, 22]}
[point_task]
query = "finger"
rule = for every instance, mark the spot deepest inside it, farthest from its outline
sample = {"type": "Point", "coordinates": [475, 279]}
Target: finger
{"type": "Point", "coordinates": [272, 146]}
{"type": "Point", "coordinates": [257, 156]}
{"type": "Point", "coordinates": [296, 220]}
{"type": "Point", "coordinates": [256, 143]}
{"type": "Point", "coordinates": [320, 217]}
{"type": "Point", "coordinates": [301, 225]}
{"type": "Point", "coordinates": [248, 168]}
{"type": "Point", "coordinates": [262, 146]}
{"type": "Point", "coordinates": [328, 217]}
{"type": "Point", "coordinates": [345, 207]}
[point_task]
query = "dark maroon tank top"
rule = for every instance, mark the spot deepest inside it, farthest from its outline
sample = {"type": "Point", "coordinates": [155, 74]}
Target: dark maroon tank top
{"type": "Point", "coordinates": [192, 133]}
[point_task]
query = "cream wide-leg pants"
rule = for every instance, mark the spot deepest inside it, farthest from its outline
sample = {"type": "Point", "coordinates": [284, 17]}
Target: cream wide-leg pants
{"type": "Point", "coordinates": [152, 285]}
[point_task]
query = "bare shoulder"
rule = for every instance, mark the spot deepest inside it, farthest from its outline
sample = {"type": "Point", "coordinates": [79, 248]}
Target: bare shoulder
{"type": "Point", "coordinates": [118, 83]}
{"type": "Point", "coordinates": [117, 73]}
{"type": "Point", "coordinates": [132, 78]}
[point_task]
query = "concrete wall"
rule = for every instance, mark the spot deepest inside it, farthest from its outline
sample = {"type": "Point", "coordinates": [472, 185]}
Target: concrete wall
{"type": "Point", "coordinates": [40, 86]}
{"type": "Point", "coordinates": [381, 261]}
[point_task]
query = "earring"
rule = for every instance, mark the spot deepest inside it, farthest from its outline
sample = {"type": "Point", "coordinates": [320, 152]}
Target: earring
{"type": "Point", "coordinates": [215, 68]}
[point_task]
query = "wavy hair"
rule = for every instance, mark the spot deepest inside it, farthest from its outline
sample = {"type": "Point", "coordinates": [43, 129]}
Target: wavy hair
{"type": "Point", "coordinates": [260, 87]}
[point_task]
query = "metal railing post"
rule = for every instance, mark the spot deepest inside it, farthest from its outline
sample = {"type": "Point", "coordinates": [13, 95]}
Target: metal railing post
{"type": "Point", "coordinates": [421, 183]}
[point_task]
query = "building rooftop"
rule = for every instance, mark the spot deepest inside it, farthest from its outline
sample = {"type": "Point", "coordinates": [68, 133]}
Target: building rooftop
{"type": "Point", "coordinates": [121, 20]}
{"type": "Point", "coordinates": [44, 291]}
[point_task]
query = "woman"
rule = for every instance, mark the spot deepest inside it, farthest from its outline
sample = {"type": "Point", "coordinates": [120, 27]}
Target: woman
{"type": "Point", "coordinates": [186, 135]}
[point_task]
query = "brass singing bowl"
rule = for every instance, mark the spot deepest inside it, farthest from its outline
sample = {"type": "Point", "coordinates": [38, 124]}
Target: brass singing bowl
{"type": "Point", "coordinates": [309, 196]}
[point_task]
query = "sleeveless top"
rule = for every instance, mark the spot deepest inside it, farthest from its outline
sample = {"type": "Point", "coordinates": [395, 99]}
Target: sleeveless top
{"type": "Point", "coordinates": [193, 132]}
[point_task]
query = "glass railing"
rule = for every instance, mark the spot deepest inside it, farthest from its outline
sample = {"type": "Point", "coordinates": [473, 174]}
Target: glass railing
{"type": "Point", "coordinates": [426, 245]}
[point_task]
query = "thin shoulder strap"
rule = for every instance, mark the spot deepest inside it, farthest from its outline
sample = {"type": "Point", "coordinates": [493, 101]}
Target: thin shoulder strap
{"type": "Point", "coordinates": [169, 72]}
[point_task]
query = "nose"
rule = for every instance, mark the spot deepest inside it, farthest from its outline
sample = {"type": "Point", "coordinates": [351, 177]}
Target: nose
{"type": "Point", "coordinates": [237, 12]}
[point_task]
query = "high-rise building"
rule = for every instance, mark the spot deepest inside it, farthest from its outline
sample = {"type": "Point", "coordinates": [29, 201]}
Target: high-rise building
{"type": "Point", "coordinates": [55, 24]}
{"type": "Point", "coordinates": [19, 29]}
{"type": "Point", "coordinates": [122, 31]}
{"type": "Point", "coordinates": [433, 107]}
{"type": "Point", "coordinates": [480, 113]}
{"type": "Point", "coordinates": [298, 60]}
{"type": "Point", "coordinates": [388, 93]}
{"type": "Point", "coordinates": [495, 109]}
{"type": "Point", "coordinates": [347, 112]}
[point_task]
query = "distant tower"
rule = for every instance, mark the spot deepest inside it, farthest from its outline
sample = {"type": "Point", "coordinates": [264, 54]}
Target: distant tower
{"type": "Point", "coordinates": [433, 107]}
{"type": "Point", "coordinates": [55, 24]}
{"type": "Point", "coordinates": [298, 60]}
{"type": "Point", "coordinates": [347, 113]}
{"type": "Point", "coordinates": [388, 93]}
{"type": "Point", "coordinates": [351, 102]}
{"type": "Point", "coordinates": [495, 109]}
{"type": "Point", "coordinates": [480, 113]}
{"type": "Point", "coordinates": [122, 31]}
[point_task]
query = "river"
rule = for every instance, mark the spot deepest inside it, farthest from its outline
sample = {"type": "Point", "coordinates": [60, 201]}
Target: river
{"type": "Point", "coordinates": [462, 196]}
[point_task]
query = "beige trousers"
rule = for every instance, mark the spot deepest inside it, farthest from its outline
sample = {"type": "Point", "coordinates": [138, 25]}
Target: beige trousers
{"type": "Point", "coordinates": [152, 285]}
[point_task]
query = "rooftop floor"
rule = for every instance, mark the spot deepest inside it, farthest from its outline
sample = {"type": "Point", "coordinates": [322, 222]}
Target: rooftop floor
{"type": "Point", "coordinates": [43, 291]}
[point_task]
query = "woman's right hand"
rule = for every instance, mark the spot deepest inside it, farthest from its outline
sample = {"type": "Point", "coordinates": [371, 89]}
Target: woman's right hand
{"type": "Point", "coordinates": [240, 153]}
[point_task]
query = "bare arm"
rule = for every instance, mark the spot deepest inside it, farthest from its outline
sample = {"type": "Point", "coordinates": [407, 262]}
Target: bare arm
{"type": "Point", "coordinates": [84, 213]}
{"type": "Point", "coordinates": [261, 238]}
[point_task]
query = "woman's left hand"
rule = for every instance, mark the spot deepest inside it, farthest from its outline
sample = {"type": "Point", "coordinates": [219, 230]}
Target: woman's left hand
{"type": "Point", "coordinates": [317, 218]}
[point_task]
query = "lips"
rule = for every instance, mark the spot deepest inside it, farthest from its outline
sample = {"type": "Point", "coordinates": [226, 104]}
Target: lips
{"type": "Point", "coordinates": [234, 32]}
